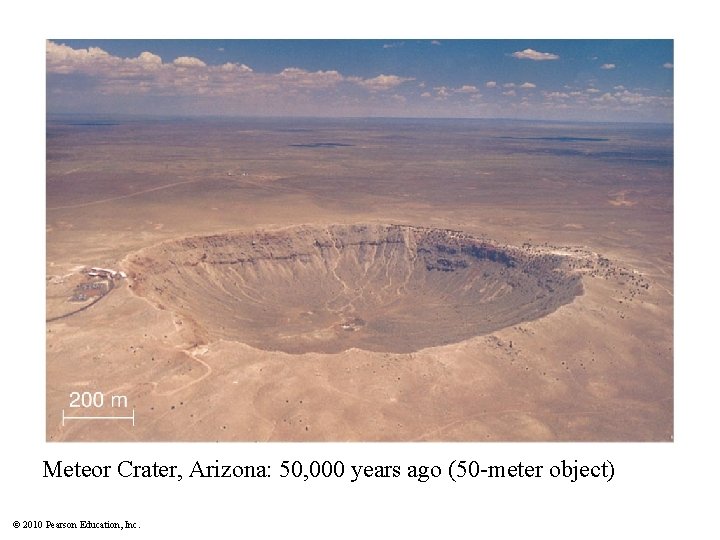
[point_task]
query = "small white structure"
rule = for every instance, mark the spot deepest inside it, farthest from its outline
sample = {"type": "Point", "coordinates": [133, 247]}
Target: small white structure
{"type": "Point", "coordinates": [106, 273]}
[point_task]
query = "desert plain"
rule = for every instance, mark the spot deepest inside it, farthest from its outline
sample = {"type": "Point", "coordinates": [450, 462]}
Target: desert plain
{"type": "Point", "coordinates": [286, 279]}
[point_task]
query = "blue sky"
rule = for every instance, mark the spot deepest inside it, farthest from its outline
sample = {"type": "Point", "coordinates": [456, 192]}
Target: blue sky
{"type": "Point", "coordinates": [602, 80]}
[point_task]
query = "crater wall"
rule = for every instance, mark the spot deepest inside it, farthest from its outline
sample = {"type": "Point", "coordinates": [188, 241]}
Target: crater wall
{"type": "Point", "coordinates": [388, 288]}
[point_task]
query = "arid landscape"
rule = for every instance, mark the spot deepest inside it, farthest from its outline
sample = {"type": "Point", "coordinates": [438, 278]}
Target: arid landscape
{"type": "Point", "coordinates": [247, 279]}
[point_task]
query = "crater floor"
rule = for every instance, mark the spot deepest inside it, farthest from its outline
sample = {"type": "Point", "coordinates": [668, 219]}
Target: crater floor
{"type": "Point", "coordinates": [386, 288]}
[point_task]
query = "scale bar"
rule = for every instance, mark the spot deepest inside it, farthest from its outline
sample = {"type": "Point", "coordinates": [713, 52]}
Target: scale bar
{"type": "Point", "coordinates": [98, 417]}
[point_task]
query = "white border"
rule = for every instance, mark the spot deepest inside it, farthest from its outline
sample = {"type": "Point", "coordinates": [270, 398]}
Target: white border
{"type": "Point", "coordinates": [659, 489]}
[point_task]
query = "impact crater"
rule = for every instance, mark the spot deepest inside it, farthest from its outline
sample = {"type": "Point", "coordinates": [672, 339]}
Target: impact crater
{"type": "Point", "coordinates": [389, 288]}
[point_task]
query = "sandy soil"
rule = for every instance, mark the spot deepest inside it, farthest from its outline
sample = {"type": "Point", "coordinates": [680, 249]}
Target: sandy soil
{"type": "Point", "coordinates": [599, 367]}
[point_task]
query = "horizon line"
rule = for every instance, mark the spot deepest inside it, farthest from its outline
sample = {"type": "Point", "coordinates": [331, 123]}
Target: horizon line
{"type": "Point", "coordinates": [310, 117]}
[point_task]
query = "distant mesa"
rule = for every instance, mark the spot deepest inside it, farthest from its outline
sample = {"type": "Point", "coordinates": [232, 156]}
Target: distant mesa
{"type": "Point", "coordinates": [560, 139]}
{"type": "Point", "coordinates": [321, 145]}
{"type": "Point", "coordinates": [390, 288]}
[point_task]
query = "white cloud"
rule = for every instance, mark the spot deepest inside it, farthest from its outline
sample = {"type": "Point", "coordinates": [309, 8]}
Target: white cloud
{"type": "Point", "coordinates": [149, 58]}
{"type": "Point", "coordinates": [189, 61]}
{"type": "Point", "coordinates": [188, 75]}
{"type": "Point", "coordinates": [523, 85]}
{"type": "Point", "coordinates": [608, 66]}
{"type": "Point", "coordinates": [381, 82]}
{"type": "Point", "coordinates": [633, 98]}
{"type": "Point", "coordinates": [310, 79]}
{"type": "Point", "coordinates": [668, 65]}
{"type": "Point", "coordinates": [468, 89]}
{"type": "Point", "coordinates": [624, 99]}
{"type": "Point", "coordinates": [442, 92]}
{"type": "Point", "coordinates": [235, 86]}
{"type": "Point", "coordinates": [64, 59]}
{"type": "Point", "coordinates": [230, 67]}
{"type": "Point", "coordinates": [531, 54]}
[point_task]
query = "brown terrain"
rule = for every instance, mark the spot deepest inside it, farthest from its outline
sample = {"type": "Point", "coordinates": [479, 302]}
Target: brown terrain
{"type": "Point", "coordinates": [359, 280]}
